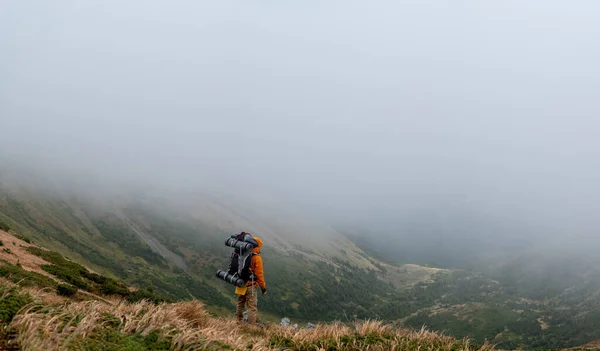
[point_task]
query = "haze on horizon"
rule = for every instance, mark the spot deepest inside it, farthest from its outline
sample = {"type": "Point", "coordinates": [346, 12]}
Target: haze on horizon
{"type": "Point", "coordinates": [357, 111]}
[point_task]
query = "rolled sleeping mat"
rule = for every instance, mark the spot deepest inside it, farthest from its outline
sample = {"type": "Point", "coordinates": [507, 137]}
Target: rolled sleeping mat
{"type": "Point", "coordinates": [247, 238]}
{"type": "Point", "coordinates": [230, 278]}
{"type": "Point", "coordinates": [243, 246]}
{"type": "Point", "coordinates": [250, 239]}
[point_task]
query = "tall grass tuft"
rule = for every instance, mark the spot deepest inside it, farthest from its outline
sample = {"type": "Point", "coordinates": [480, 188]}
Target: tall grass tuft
{"type": "Point", "coordinates": [75, 325]}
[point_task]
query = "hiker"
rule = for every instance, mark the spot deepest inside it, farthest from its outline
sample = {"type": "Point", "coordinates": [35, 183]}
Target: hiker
{"type": "Point", "coordinates": [248, 294]}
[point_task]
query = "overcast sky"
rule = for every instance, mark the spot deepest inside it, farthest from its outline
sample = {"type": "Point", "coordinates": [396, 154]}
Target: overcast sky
{"type": "Point", "coordinates": [358, 107]}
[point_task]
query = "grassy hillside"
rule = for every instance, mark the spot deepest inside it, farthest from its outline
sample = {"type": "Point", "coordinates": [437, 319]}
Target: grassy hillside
{"type": "Point", "coordinates": [55, 303]}
{"type": "Point", "coordinates": [172, 247]}
{"type": "Point", "coordinates": [103, 241]}
{"type": "Point", "coordinates": [39, 322]}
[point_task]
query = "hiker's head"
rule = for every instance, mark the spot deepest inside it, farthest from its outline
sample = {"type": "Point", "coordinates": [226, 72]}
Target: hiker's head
{"type": "Point", "coordinates": [260, 243]}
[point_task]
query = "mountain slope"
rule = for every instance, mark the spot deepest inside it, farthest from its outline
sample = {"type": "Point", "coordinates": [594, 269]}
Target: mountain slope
{"type": "Point", "coordinates": [174, 243]}
{"type": "Point", "coordinates": [40, 309]}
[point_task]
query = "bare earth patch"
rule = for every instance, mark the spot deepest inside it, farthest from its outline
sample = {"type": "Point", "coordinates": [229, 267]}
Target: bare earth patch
{"type": "Point", "coordinates": [594, 345]}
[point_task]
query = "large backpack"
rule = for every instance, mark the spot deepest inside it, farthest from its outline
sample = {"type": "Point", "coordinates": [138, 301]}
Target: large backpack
{"type": "Point", "coordinates": [240, 261]}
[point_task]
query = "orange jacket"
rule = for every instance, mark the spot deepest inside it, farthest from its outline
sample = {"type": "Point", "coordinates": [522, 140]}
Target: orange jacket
{"type": "Point", "coordinates": [256, 266]}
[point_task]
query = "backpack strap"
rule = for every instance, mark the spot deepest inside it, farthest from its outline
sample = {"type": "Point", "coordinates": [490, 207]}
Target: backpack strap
{"type": "Point", "coordinates": [252, 254]}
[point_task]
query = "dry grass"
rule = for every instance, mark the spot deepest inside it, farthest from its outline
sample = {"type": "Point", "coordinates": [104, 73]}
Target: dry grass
{"type": "Point", "coordinates": [369, 335]}
{"type": "Point", "coordinates": [54, 322]}
{"type": "Point", "coordinates": [18, 253]}
{"type": "Point", "coordinates": [66, 325]}
{"type": "Point", "coordinates": [594, 345]}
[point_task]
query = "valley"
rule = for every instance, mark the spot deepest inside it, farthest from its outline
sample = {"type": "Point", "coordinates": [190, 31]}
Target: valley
{"type": "Point", "coordinates": [173, 249]}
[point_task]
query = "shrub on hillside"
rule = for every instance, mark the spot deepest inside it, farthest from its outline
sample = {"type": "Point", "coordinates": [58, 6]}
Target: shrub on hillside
{"type": "Point", "coordinates": [5, 227]}
{"type": "Point", "coordinates": [10, 303]}
{"type": "Point", "coordinates": [66, 290]}
{"type": "Point", "coordinates": [111, 287]}
{"type": "Point", "coordinates": [66, 274]}
{"type": "Point", "coordinates": [146, 294]}
{"type": "Point", "coordinates": [27, 240]}
{"type": "Point", "coordinates": [96, 278]}
{"type": "Point", "coordinates": [78, 276]}
{"type": "Point", "coordinates": [18, 275]}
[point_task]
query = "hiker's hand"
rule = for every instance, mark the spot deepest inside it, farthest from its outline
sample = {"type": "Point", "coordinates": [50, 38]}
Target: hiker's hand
{"type": "Point", "coordinates": [264, 290]}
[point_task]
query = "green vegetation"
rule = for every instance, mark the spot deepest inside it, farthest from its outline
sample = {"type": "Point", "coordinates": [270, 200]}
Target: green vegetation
{"type": "Point", "coordinates": [66, 290]}
{"type": "Point", "coordinates": [22, 277]}
{"type": "Point", "coordinates": [25, 239]}
{"type": "Point", "coordinates": [484, 324]}
{"type": "Point", "coordinates": [11, 301]}
{"type": "Point", "coordinates": [304, 287]}
{"type": "Point", "coordinates": [507, 306]}
{"type": "Point", "coordinates": [179, 287]}
{"type": "Point", "coordinates": [79, 277]}
{"type": "Point", "coordinates": [128, 241]}
{"type": "Point", "coordinates": [94, 255]}
{"type": "Point", "coordinates": [111, 339]}
{"type": "Point", "coordinates": [145, 294]}
{"type": "Point", "coordinates": [126, 257]}
{"type": "Point", "coordinates": [503, 305]}
{"type": "Point", "coordinates": [3, 226]}
{"type": "Point", "coordinates": [374, 340]}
